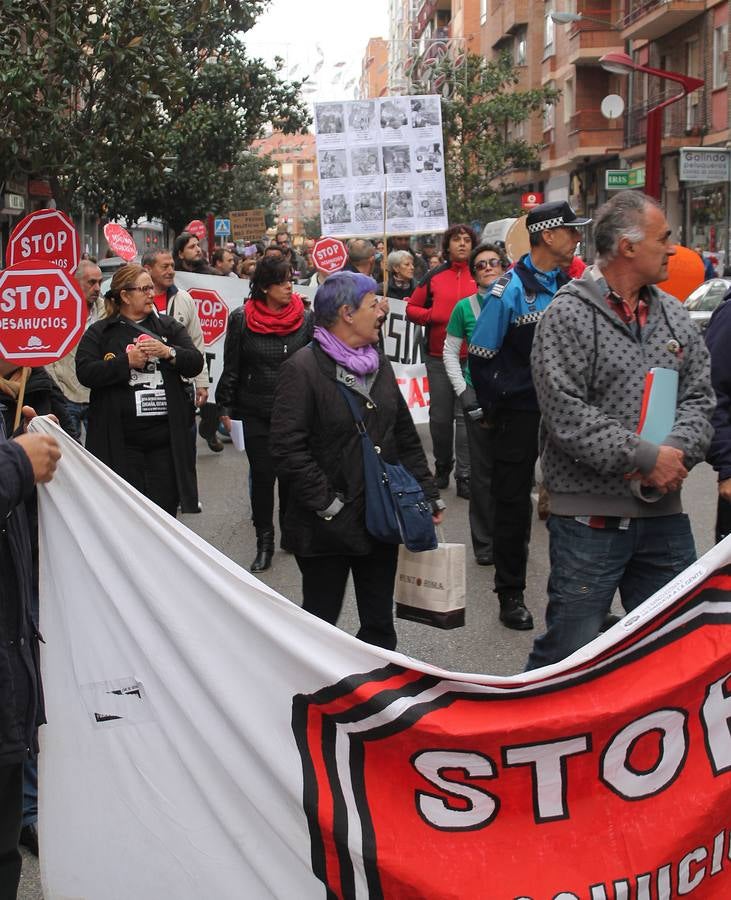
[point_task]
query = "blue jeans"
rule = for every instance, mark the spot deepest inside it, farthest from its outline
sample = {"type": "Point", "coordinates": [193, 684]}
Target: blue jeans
{"type": "Point", "coordinates": [78, 414]}
{"type": "Point", "coordinates": [589, 564]}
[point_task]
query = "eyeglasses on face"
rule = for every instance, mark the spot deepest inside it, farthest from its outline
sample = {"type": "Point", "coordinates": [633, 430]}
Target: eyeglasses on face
{"type": "Point", "coordinates": [488, 263]}
{"type": "Point", "coordinates": [147, 289]}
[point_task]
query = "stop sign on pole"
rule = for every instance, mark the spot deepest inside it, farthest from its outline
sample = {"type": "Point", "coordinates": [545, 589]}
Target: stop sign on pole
{"type": "Point", "coordinates": [329, 255]}
{"type": "Point", "coordinates": [46, 235]}
{"type": "Point", "coordinates": [42, 313]}
{"type": "Point", "coordinates": [212, 312]}
{"type": "Point", "coordinates": [120, 241]}
{"type": "Point", "coordinates": [197, 228]}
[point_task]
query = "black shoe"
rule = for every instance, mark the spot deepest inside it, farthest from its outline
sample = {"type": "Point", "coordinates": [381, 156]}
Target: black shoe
{"type": "Point", "coordinates": [463, 488]}
{"type": "Point", "coordinates": [214, 443]}
{"type": "Point", "coordinates": [441, 477]}
{"type": "Point", "coordinates": [513, 613]}
{"type": "Point", "coordinates": [264, 551]}
{"type": "Point", "coordinates": [29, 838]}
{"type": "Point", "coordinates": [484, 558]}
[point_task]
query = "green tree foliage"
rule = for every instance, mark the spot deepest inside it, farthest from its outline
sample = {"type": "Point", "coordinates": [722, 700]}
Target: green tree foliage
{"type": "Point", "coordinates": [146, 108]}
{"type": "Point", "coordinates": [480, 108]}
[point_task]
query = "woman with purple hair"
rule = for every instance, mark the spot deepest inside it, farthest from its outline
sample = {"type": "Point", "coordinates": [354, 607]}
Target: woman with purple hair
{"type": "Point", "coordinates": [317, 448]}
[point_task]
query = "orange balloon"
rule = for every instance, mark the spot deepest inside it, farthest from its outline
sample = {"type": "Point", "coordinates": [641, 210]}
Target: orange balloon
{"type": "Point", "coordinates": [685, 273]}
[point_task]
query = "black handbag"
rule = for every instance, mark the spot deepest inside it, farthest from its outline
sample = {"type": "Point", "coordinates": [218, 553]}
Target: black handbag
{"type": "Point", "coordinates": [397, 511]}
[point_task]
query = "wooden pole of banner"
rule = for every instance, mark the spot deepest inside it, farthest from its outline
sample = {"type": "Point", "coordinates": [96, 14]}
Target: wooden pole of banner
{"type": "Point", "coordinates": [21, 396]}
{"type": "Point", "coordinates": [385, 240]}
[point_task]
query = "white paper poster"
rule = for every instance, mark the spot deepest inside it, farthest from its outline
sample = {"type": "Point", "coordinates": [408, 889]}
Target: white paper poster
{"type": "Point", "coordinates": [368, 148]}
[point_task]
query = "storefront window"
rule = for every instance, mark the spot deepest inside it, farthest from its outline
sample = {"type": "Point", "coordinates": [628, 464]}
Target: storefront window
{"type": "Point", "coordinates": [708, 211]}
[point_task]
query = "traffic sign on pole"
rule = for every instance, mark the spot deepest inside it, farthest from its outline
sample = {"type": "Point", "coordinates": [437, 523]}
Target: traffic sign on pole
{"type": "Point", "coordinates": [42, 313]}
{"type": "Point", "coordinates": [196, 228]}
{"type": "Point", "coordinates": [329, 255]}
{"type": "Point", "coordinates": [46, 235]}
{"type": "Point", "coordinates": [222, 227]}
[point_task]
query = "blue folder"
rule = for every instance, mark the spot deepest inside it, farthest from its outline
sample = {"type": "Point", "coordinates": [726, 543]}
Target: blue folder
{"type": "Point", "coordinates": [659, 403]}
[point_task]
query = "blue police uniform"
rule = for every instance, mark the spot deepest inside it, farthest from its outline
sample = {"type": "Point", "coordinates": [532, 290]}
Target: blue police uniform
{"type": "Point", "coordinates": [499, 361]}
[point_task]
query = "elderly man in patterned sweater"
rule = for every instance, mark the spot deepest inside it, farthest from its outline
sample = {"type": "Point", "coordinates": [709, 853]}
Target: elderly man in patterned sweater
{"type": "Point", "coordinates": [616, 518]}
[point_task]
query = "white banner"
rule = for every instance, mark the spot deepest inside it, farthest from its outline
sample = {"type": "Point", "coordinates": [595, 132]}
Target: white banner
{"type": "Point", "coordinates": [368, 148]}
{"type": "Point", "coordinates": [402, 339]}
{"type": "Point", "coordinates": [206, 738]}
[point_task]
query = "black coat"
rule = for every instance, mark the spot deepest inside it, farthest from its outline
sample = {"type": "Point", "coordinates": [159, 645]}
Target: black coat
{"type": "Point", "coordinates": [251, 362]}
{"type": "Point", "coordinates": [21, 702]}
{"type": "Point", "coordinates": [317, 449]}
{"type": "Point", "coordinates": [102, 365]}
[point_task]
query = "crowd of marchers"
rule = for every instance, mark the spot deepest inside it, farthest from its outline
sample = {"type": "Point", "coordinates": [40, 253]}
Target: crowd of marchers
{"type": "Point", "coordinates": [545, 358]}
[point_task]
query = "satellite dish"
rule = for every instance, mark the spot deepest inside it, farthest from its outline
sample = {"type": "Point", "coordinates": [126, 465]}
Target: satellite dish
{"type": "Point", "coordinates": [612, 106]}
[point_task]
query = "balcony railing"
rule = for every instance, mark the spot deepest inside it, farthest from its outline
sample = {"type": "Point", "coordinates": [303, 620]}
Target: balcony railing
{"type": "Point", "coordinates": [592, 120]}
{"type": "Point", "coordinates": [651, 19]}
{"type": "Point", "coordinates": [683, 119]}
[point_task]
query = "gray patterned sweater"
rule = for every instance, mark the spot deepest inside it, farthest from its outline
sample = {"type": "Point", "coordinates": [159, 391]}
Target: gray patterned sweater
{"type": "Point", "coordinates": [589, 371]}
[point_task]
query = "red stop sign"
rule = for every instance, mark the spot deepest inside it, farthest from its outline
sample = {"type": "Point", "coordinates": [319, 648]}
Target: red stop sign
{"type": "Point", "coordinates": [48, 235]}
{"type": "Point", "coordinates": [120, 241]}
{"type": "Point", "coordinates": [197, 228]}
{"type": "Point", "coordinates": [329, 255]}
{"type": "Point", "coordinates": [212, 312]}
{"type": "Point", "coordinates": [42, 313]}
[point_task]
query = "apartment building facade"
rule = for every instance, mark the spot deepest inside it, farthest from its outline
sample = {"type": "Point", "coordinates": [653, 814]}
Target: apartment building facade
{"type": "Point", "coordinates": [295, 167]}
{"type": "Point", "coordinates": [374, 70]}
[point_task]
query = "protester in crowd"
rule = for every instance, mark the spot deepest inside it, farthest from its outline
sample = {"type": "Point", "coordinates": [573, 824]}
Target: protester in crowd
{"type": "Point", "coordinates": [487, 263]}
{"type": "Point", "coordinates": [284, 242]}
{"type": "Point", "coordinates": [173, 301]}
{"type": "Point", "coordinates": [275, 251]}
{"type": "Point", "coordinates": [434, 261]}
{"type": "Point", "coordinates": [25, 460]}
{"type": "Point", "coordinates": [361, 256]}
{"type": "Point", "coordinates": [246, 267]}
{"type": "Point", "coordinates": [222, 262]}
{"type": "Point", "coordinates": [501, 374]}
{"type": "Point", "coordinates": [395, 242]}
{"type": "Point", "coordinates": [188, 254]}
{"type": "Point", "coordinates": [401, 284]}
{"type": "Point", "coordinates": [270, 327]}
{"type": "Point", "coordinates": [89, 276]}
{"type": "Point", "coordinates": [431, 305]}
{"type": "Point", "coordinates": [616, 519]}
{"type": "Point", "coordinates": [427, 249]}
{"type": "Point", "coordinates": [140, 417]}
{"type": "Point", "coordinates": [718, 341]}
{"type": "Point", "coordinates": [317, 448]}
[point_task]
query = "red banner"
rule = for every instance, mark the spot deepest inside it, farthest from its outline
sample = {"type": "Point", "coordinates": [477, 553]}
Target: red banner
{"type": "Point", "coordinates": [610, 780]}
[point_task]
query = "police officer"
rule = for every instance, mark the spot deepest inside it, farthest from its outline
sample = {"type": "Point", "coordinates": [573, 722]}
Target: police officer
{"type": "Point", "coordinates": [499, 360]}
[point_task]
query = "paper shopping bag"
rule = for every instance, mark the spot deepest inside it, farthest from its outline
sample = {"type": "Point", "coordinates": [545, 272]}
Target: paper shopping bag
{"type": "Point", "coordinates": [430, 586]}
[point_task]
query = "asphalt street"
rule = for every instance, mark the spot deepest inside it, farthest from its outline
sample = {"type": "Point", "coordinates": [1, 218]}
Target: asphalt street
{"type": "Point", "coordinates": [483, 645]}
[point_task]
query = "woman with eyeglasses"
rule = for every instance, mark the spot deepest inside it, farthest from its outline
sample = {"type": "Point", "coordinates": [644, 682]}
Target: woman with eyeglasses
{"type": "Point", "coordinates": [486, 263]}
{"type": "Point", "coordinates": [134, 361]}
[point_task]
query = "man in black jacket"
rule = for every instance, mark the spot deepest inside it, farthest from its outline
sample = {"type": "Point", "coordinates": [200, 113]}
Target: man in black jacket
{"type": "Point", "coordinates": [25, 460]}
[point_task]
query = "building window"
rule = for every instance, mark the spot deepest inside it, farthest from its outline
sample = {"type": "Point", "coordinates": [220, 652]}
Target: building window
{"type": "Point", "coordinates": [287, 168]}
{"type": "Point", "coordinates": [720, 56]}
{"type": "Point", "coordinates": [483, 12]}
{"type": "Point", "coordinates": [693, 100]}
{"type": "Point", "coordinates": [521, 47]}
{"type": "Point", "coordinates": [308, 185]}
{"type": "Point", "coordinates": [307, 167]}
{"type": "Point", "coordinates": [287, 187]}
{"type": "Point", "coordinates": [549, 113]}
{"type": "Point", "coordinates": [568, 101]}
{"type": "Point", "coordinates": [548, 30]}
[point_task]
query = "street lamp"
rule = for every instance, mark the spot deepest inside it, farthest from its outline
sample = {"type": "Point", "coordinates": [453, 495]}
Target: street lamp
{"type": "Point", "coordinates": [623, 64]}
{"type": "Point", "coordinates": [569, 18]}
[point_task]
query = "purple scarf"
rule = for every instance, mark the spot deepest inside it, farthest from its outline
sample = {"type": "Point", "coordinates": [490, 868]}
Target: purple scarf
{"type": "Point", "coordinates": [358, 360]}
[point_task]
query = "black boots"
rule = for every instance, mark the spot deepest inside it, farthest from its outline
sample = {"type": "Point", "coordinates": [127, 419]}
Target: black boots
{"type": "Point", "coordinates": [513, 613]}
{"type": "Point", "coordinates": [442, 471]}
{"type": "Point", "coordinates": [264, 550]}
{"type": "Point", "coordinates": [463, 487]}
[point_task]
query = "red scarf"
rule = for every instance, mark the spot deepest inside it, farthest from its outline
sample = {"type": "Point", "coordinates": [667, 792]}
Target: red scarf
{"type": "Point", "coordinates": [263, 320]}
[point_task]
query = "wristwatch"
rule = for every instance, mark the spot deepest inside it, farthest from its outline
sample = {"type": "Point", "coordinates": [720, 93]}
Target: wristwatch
{"type": "Point", "coordinates": [173, 354]}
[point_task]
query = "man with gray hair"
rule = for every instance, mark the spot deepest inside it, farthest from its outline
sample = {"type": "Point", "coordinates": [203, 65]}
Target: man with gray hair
{"type": "Point", "coordinates": [616, 518]}
{"type": "Point", "coordinates": [361, 256]}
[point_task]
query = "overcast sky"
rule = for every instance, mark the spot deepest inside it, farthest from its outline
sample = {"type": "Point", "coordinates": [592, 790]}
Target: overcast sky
{"type": "Point", "coordinates": [295, 30]}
